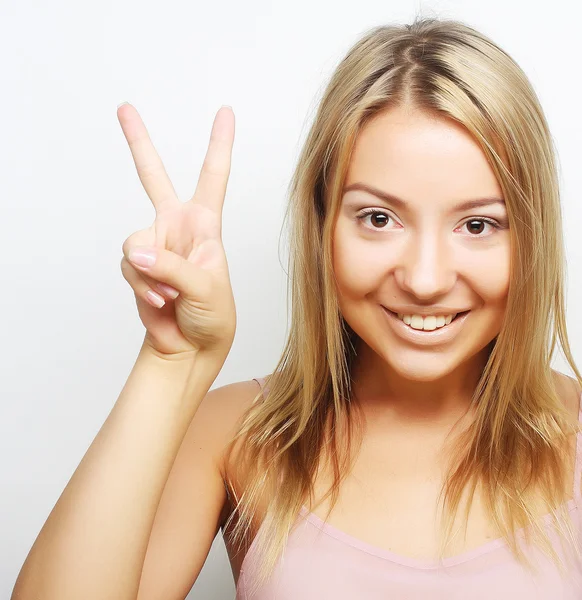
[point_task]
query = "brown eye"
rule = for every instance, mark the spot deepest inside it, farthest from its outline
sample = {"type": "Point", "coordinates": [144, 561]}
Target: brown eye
{"type": "Point", "coordinates": [476, 226]}
{"type": "Point", "coordinates": [378, 220]}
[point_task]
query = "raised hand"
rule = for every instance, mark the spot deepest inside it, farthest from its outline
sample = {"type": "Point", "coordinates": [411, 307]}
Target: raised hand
{"type": "Point", "coordinates": [199, 312]}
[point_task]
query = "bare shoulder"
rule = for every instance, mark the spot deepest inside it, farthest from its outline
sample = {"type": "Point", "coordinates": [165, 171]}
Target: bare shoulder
{"type": "Point", "coordinates": [570, 391]}
{"type": "Point", "coordinates": [221, 411]}
{"type": "Point", "coordinates": [220, 414]}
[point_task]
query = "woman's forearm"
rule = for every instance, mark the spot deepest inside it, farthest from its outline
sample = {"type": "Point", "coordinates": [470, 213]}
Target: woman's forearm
{"type": "Point", "coordinates": [94, 541]}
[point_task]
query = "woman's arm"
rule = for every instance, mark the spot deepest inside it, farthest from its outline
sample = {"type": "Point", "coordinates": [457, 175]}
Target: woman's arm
{"type": "Point", "coordinates": [94, 542]}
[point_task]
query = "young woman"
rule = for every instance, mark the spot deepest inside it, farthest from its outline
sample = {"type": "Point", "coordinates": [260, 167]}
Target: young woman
{"type": "Point", "coordinates": [413, 440]}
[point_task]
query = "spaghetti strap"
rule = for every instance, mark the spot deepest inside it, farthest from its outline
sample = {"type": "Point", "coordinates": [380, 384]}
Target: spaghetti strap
{"type": "Point", "coordinates": [261, 382]}
{"type": "Point", "coordinates": [578, 462]}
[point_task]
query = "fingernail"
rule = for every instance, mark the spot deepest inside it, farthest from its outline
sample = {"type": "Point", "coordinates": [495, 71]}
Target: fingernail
{"type": "Point", "coordinates": [168, 290]}
{"type": "Point", "coordinates": [122, 104]}
{"type": "Point", "coordinates": [155, 299]}
{"type": "Point", "coordinates": [143, 257]}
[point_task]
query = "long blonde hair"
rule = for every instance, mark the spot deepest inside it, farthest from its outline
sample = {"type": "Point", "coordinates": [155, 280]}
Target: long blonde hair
{"type": "Point", "coordinates": [516, 448]}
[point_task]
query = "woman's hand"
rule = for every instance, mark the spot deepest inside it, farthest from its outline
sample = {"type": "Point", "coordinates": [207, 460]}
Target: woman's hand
{"type": "Point", "coordinates": [199, 312]}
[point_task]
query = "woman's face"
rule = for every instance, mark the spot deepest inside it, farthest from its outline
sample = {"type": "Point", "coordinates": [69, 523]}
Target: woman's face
{"type": "Point", "coordinates": [422, 254]}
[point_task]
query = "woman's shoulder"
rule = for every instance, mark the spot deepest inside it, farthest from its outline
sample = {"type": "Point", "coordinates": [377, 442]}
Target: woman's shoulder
{"type": "Point", "coordinates": [223, 409]}
{"type": "Point", "coordinates": [569, 391]}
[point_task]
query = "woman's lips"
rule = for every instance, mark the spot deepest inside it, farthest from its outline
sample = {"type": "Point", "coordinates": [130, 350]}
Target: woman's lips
{"type": "Point", "coordinates": [439, 335]}
{"type": "Point", "coordinates": [460, 314]}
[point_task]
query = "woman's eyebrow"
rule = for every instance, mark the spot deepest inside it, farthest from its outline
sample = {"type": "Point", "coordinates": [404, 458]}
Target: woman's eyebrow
{"type": "Point", "coordinates": [402, 204]}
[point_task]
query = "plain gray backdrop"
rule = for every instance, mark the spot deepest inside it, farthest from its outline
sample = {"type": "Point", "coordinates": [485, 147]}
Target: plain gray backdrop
{"type": "Point", "coordinates": [70, 194]}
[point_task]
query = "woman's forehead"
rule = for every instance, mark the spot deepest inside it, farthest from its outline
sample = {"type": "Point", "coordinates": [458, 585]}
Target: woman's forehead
{"type": "Point", "coordinates": [414, 156]}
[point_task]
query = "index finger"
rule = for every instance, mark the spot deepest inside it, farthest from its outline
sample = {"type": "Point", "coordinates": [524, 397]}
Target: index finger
{"type": "Point", "coordinates": [150, 168]}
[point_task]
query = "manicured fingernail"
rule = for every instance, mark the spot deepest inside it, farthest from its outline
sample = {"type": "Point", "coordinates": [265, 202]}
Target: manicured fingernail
{"type": "Point", "coordinates": [155, 299]}
{"type": "Point", "coordinates": [143, 257]}
{"type": "Point", "coordinates": [122, 104]}
{"type": "Point", "coordinates": [168, 290]}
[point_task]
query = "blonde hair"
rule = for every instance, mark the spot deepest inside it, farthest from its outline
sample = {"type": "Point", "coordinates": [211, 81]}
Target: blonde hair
{"type": "Point", "coordinates": [517, 445]}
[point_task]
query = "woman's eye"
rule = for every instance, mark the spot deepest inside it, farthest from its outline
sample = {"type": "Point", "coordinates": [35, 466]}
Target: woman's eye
{"type": "Point", "coordinates": [380, 219]}
{"type": "Point", "coordinates": [480, 221]}
{"type": "Point", "coordinates": [375, 213]}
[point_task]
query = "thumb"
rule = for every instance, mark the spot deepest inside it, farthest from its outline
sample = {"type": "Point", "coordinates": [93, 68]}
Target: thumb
{"type": "Point", "coordinates": [168, 267]}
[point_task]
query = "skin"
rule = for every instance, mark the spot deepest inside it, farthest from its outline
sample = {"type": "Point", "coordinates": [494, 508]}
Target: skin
{"type": "Point", "coordinates": [422, 255]}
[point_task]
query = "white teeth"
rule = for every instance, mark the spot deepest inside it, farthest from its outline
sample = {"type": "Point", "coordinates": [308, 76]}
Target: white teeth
{"type": "Point", "coordinates": [426, 323]}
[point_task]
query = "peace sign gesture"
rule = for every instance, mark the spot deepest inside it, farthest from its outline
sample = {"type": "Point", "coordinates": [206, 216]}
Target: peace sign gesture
{"type": "Point", "coordinates": [180, 260]}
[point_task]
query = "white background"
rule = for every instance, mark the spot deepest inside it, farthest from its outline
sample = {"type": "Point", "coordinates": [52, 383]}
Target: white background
{"type": "Point", "coordinates": [70, 194]}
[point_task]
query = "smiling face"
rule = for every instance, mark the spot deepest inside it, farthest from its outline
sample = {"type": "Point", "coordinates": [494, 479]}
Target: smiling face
{"type": "Point", "coordinates": [424, 255]}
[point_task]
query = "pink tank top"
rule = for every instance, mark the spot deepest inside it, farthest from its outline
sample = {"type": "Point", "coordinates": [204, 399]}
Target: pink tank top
{"type": "Point", "coordinates": [321, 562]}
